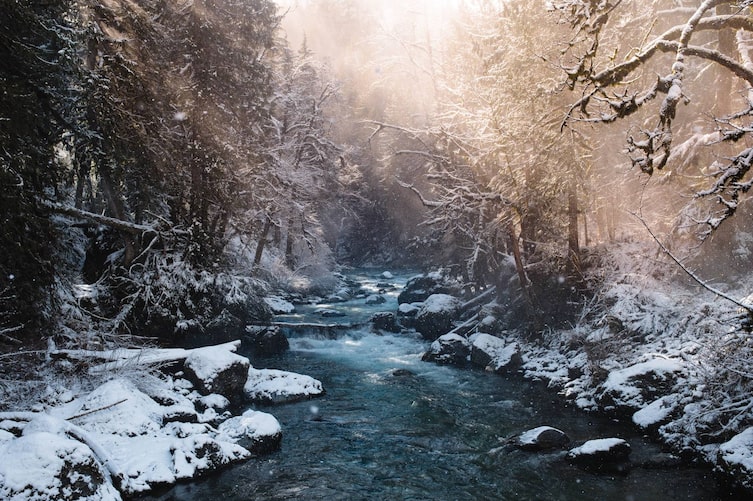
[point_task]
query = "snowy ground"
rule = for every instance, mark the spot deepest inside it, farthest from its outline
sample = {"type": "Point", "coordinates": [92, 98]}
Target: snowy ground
{"type": "Point", "coordinates": [140, 429]}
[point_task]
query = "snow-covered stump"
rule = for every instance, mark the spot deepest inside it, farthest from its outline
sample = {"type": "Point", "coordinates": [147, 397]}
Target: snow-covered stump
{"type": "Point", "coordinates": [494, 354]}
{"type": "Point", "coordinates": [272, 386]}
{"type": "Point", "coordinates": [215, 369]}
{"type": "Point", "coordinates": [607, 455]}
{"type": "Point", "coordinates": [542, 438]}
{"type": "Point", "coordinates": [451, 349]}
{"type": "Point", "coordinates": [436, 315]}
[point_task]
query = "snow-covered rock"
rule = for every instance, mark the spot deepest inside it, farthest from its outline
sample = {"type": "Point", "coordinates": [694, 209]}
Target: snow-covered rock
{"type": "Point", "coordinates": [542, 438]}
{"type": "Point", "coordinates": [450, 349]}
{"type": "Point", "coordinates": [436, 315]}
{"type": "Point", "coordinates": [262, 431]}
{"type": "Point", "coordinates": [630, 389]}
{"type": "Point", "coordinates": [279, 306]}
{"type": "Point", "coordinates": [387, 275]}
{"type": "Point", "coordinates": [602, 454]}
{"type": "Point", "coordinates": [43, 465]}
{"type": "Point", "coordinates": [420, 287]}
{"type": "Point", "coordinates": [408, 309]}
{"type": "Point", "coordinates": [215, 369]}
{"type": "Point", "coordinates": [494, 354]}
{"type": "Point", "coordinates": [276, 386]}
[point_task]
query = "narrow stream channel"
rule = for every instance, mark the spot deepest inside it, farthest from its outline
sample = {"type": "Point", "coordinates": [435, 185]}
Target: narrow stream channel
{"type": "Point", "coordinates": [427, 432]}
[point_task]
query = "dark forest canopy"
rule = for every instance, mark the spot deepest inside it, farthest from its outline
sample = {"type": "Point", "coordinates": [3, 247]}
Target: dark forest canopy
{"type": "Point", "coordinates": [167, 156]}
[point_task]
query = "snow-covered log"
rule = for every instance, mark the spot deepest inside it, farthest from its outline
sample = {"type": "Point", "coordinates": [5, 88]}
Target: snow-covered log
{"type": "Point", "coordinates": [124, 357]}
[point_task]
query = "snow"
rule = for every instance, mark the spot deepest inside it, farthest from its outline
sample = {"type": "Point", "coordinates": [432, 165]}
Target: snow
{"type": "Point", "coordinates": [387, 275]}
{"type": "Point", "coordinates": [280, 386]}
{"type": "Point", "coordinates": [119, 427]}
{"type": "Point", "coordinates": [597, 445]}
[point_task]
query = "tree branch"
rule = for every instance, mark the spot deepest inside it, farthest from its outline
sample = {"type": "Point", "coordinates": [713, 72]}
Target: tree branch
{"type": "Point", "coordinates": [690, 273]}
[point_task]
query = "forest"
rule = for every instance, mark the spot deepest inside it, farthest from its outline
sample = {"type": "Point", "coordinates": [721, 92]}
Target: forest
{"type": "Point", "coordinates": [165, 166]}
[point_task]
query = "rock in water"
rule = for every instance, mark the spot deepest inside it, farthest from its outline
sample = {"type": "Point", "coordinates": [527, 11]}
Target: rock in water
{"type": "Point", "coordinates": [603, 455]}
{"type": "Point", "coordinates": [436, 315]}
{"type": "Point", "coordinates": [448, 349]}
{"type": "Point", "coordinates": [542, 438]}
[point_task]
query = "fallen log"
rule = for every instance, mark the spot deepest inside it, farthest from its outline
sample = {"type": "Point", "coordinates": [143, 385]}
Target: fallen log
{"type": "Point", "coordinates": [123, 357]}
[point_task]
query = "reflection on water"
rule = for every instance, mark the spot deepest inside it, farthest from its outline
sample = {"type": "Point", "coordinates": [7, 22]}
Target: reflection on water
{"type": "Point", "coordinates": [393, 427]}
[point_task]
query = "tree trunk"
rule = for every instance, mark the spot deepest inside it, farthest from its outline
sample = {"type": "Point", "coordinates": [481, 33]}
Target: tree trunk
{"type": "Point", "coordinates": [262, 241]}
{"type": "Point", "coordinates": [573, 244]}
{"type": "Point", "coordinates": [525, 285]}
{"type": "Point", "coordinates": [289, 244]}
{"type": "Point", "coordinates": [116, 208]}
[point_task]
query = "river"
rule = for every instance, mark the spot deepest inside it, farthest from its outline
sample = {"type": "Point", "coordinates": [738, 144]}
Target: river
{"type": "Point", "coordinates": [392, 427]}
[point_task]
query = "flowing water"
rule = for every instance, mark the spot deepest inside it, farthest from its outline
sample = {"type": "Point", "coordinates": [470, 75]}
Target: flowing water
{"type": "Point", "coordinates": [391, 427]}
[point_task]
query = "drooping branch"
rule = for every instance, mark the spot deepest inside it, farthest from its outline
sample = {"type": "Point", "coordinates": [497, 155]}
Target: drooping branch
{"type": "Point", "coordinates": [118, 224]}
{"type": "Point", "coordinates": [689, 272]}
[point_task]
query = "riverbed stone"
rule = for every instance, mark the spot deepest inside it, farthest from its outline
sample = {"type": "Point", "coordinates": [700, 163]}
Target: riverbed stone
{"type": "Point", "coordinates": [385, 321]}
{"type": "Point", "coordinates": [601, 455]}
{"type": "Point", "coordinates": [57, 465]}
{"type": "Point", "coordinates": [451, 349]}
{"type": "Point", "coordinates": [542, 438]}
{"type": "Point", "coordinates": [272, 386]}
{"type": "Point", "coordinates": [436, 315]}
{"type": "Point", "coordinates": [632, 388]}
{"type": "Point", "coordinates": [265, 341]}
{"type": "Point", "coordinates": [494, 354]}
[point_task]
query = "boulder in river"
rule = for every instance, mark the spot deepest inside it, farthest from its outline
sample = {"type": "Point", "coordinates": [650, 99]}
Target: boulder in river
{"type": "Point", "coordinates": [542, 438]}
{"type": "Point", "coordinates": [376, 299]}
{"type": "Point", "coordinates": [259, 432]}
{"type": "Point", "coordinates": [272, 386]}
{"type": "Point", "coordinates": [604, 454]}
{"type": "Point", "coordinates": [385, 321]}
{"type": "Point", "coordinates": [451, 349]}
{"type": "Point", "coordinates": [266, 341]}
{"type": "Point", "coordinates": [494, 354]}
{"type": "Point", "coordinates": [436, 315]}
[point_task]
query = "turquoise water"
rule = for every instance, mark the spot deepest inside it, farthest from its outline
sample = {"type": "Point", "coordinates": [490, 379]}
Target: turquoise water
{"type": "Point", "coordinates": [427, 432]}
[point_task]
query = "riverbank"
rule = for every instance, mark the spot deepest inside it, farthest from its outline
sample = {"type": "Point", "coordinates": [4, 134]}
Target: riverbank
{"type": "Point", "coordinates": [652, 350]}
